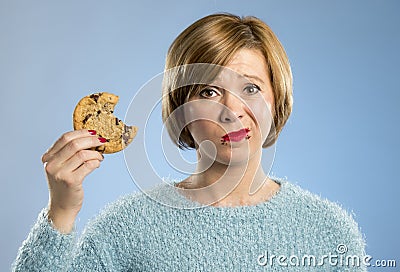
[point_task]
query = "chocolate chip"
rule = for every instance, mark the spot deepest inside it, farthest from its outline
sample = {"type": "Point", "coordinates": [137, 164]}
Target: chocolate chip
{"type": "Point", "coordinates": [116, 121]}
{"type": "Point", "coordinates": [98, 112]}
{"type": "Point", "coordinates": [95, 97]}
{"type": "Point", "coordinates": [125, 137]}
{"type": "Point", "coordinates": [126, 134]}
{"type": "Point", "coordinates": [86, 118]}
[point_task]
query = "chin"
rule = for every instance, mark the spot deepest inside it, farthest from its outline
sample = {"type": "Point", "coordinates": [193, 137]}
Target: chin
{"type": "Point", "coordinates": [233, 153]}
{"type": "Point", "coordinates": [234, 157]}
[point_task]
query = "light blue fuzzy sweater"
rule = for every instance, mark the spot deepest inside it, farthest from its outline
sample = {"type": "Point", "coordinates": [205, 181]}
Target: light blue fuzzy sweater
{"type": "Point", "coordinates": [293, 231]}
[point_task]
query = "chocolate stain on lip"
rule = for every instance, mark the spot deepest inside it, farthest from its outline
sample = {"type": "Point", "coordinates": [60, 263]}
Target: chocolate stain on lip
{"type": "Point", "coordinates": [226, 138]}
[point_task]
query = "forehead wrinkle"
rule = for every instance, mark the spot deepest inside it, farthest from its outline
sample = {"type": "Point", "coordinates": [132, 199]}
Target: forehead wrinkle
{"type": "Point", "coordinates": [223, 77]}
{"type": "Point", "coordinates": [230, 76]}
{"type": "Point", "coordinates": [256, 78]}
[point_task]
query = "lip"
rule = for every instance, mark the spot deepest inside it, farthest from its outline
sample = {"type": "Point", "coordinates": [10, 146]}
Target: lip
{"type": "Point", "coordinates": [235, 136]}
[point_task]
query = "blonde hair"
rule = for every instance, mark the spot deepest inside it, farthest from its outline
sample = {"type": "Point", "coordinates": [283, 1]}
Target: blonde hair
{"type": "Point", "coordinates": [215, 39]}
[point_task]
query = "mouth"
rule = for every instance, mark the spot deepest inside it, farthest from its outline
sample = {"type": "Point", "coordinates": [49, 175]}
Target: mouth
{"type": "Point", "coordinates": [236, 136]}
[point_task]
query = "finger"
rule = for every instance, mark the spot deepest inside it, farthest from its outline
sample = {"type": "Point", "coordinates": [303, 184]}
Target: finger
{"type": "Point", "coordinates": [75, 146]}
{"type": "Point", "coordinates": [65, 139]}
{"type": "Point", "coordinates": [86, 168]}
{"type": "Point", "coordinates": [81, 157]}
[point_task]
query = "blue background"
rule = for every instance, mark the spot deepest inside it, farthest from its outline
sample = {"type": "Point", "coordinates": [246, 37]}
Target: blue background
{"type": "Point", "coordinates": [341, 141]}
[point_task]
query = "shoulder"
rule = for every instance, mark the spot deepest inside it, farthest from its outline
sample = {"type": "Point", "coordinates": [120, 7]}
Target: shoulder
{"type": "Point", "coordinates": [307, 203]}
{"type": "Point", "coordinates": [321, 217]}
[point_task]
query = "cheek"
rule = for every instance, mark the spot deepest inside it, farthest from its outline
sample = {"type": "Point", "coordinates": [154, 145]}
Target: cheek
{"type": "Point", "coordinates": [261, 113]}
{"type": "Point", "coordinates": [200, 110]}
{"type": "Point", "coordinates": [198, 127]}
{"type": "Point", "coordinates": [203, 130]}
{"type": "Point", "coordinates": [201, 118]}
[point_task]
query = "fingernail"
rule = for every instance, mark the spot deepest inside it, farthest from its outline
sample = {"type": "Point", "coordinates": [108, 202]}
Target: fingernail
{"type": "Point", "coordinates": [102, 140]}
{"type": "Point", "coordinates": [92, 132]}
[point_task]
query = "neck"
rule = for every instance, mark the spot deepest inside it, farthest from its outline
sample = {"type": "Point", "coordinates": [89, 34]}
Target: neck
{"type": "Point", "coordinates": [227, 185]}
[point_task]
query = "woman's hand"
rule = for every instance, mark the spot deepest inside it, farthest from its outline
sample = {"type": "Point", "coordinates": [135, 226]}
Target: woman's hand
{"type": "Point", "coordinates": [67, 163]}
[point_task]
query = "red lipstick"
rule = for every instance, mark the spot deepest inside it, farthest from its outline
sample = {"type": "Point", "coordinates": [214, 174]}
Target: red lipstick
{"type": "Point", "coordinates": [235, 136]}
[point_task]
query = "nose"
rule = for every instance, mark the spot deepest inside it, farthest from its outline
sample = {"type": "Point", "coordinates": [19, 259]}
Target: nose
{"type": "Point", "coordinates": [232, 108]}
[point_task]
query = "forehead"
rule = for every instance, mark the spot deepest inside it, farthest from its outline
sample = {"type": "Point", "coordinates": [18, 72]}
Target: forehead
{"type": "Point", "coordinates": [250, 64]}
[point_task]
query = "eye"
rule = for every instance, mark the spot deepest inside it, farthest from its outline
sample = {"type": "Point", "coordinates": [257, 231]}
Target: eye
{"type": "Point", "coordinates": [209, 92]}
{"type": "Point", "coordinates": [251, 89]}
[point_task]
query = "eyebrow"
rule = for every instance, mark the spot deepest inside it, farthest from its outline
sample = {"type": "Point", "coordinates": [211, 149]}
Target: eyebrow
{"type": "Point", "coordinates": [255, 78]}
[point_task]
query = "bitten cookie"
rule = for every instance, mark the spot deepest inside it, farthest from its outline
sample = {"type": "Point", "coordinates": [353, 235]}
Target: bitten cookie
{"type": "Point", "coordinates": [95, 112]}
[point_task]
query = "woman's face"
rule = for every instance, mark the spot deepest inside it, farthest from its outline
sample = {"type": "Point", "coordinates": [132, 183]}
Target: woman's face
{"type": "Point", "coordinates": [231, 117]}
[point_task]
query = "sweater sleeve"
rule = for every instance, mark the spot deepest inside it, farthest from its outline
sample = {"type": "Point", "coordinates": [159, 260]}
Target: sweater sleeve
{"type": "Point", "coordinates": [349, 245]}
{"type": "Point", "coordinates": [352, 247]}
{"type": "Point", "coordinates": [45, 249]}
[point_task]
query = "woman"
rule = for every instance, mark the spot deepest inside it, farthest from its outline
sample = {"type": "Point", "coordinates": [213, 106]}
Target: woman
{"type": "Point", "coordinates": [228, 94]}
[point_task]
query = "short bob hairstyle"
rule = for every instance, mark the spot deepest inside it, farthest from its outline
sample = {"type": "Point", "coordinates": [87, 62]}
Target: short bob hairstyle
{"type": "Point", "coordinates": [215, 39]}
